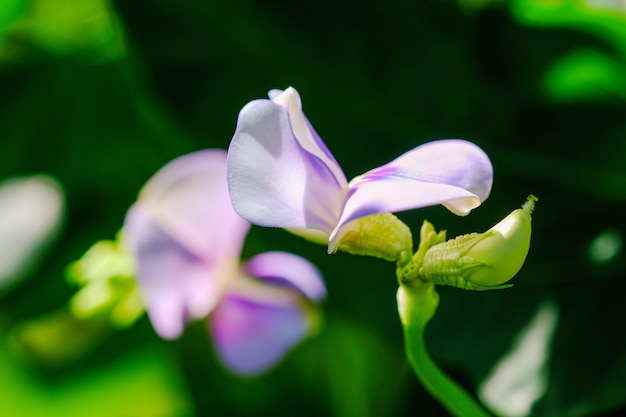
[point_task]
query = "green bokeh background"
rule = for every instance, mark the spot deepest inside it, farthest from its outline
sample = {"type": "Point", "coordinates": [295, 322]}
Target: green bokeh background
{"type": "Point", "coordinates": [102, 94]}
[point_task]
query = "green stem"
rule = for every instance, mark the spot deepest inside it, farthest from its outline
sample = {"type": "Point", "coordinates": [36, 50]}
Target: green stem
{"type": "Point", "coordinates": [417, 306]}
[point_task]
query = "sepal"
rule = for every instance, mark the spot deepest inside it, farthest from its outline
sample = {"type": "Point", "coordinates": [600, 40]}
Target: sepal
{"type": "Point", "coordinates": [380, 235]}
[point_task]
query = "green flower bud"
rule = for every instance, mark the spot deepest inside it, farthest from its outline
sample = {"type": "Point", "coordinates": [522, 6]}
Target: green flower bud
{"type": "Point", "coordinates": [105, 274]}
{"type": "Point", "coordinates": [407, 270]}
{"type": "Point", "coordinates": [482, 261]}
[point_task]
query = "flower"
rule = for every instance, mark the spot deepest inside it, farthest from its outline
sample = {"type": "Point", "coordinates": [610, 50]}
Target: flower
{"type": "Point", "coordinates": [281, 174]}
{"type": "Point", "coordinates": [187, 242]}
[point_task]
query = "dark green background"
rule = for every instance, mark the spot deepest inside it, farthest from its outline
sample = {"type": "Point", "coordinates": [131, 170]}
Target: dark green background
{"type": "Point", "coordinates": [376, 79]}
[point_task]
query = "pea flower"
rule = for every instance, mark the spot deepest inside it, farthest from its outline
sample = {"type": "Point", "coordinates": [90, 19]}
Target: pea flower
{"type": "Point", "coordinates": [281, 174]}
{"type": "Point", "coordinates": [187, 241]}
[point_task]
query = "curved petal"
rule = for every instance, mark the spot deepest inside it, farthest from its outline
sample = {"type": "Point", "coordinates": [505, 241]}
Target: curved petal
{"type": "Point", "coordinates": [273, 180]}
{"type": "Point", "coordinates": [288, 269]}
{"type": "Point", "coordinates": [304, 132]}
{"type": "Point", "coordinates": [254, 329]}
{"type": "Point", "coordinates": [176, 285]}
{"type": "Point", "coordinates": [186, 240]}
{"type": "Point", "coordinates": [455, 173]}
{"type": "Point", "coordinates": [189, 199]}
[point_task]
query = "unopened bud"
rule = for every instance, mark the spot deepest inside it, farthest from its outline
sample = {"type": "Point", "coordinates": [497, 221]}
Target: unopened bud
{"type": "Point", "coordinates": [482, 261]}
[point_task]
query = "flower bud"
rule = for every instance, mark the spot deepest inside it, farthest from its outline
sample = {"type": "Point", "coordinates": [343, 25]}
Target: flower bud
{"type": "Point", "coordinates": [105, 274]}
{"type": "Point", "coordinates": [481, 261]}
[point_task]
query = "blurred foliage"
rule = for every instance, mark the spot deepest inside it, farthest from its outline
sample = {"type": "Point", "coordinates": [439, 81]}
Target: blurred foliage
{"type": "Point", "coordinates": [140, 384]}
{"type": "Point", "coordinates": [101, 94]}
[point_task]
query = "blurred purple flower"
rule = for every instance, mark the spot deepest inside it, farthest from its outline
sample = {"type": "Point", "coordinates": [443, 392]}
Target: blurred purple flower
{"type": "Point", "coordinates": [281, 174]}
{"type": "Point", "coordinates": [187, 241]}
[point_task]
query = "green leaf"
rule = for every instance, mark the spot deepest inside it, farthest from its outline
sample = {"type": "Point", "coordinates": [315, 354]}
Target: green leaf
{"type": "Point", "coordinates": [143, 383]}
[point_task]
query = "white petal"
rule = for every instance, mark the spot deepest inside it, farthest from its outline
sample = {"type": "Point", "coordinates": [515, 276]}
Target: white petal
{"type": "Point", "coordinates": [305, 134]}
{"type": "Point", "coordinates": [273, 180]}
{"type": "Point", "coordinates": [455, 173]}
{"type": "Point", "coordinates": [31, 210]}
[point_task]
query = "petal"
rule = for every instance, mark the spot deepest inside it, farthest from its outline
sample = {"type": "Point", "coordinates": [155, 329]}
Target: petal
{"type": "Point", "coordinates": [274, 179]}
{"type": "Point", "coordinates": [189, 199]}
{"type": "Point", "coordinates": [288, 269]}
{"type": "Point", "coordinates": [31, 212]}
{"type": "Point", "coordinates": [253, 331]}
{"type": "Point", "coordinates": [176, 284]}
{"type": "Point", "coordinates": [455, 173]}
{"type": "Point", "coordinates": [186, 239]}
{"type": "Point", "coordinates": [304, 132]}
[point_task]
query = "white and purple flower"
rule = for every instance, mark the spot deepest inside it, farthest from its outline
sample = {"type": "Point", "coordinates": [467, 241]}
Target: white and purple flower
{"type": "Point", "coordinates": [187, 243]}
{"type": "Point", "coordinates": [281, 174]}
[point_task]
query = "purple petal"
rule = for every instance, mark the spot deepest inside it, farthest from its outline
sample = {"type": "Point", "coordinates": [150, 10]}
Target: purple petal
{"type": "Point", "coordinates": [304, 132]}
{"type": "Point", "coordinates": [253, 331]}
{"type": "Point", "coordinates": [279, 174]}
{"type": "Point", "coordinates": [186, 239]}
{"type": "Point", "coordinates": [189, 199]}
{"type": "Point", "coordinates": [176, 284]}
{"type": "Point", "coordinates": [290, 270]}
{"type": "Point", "coordinates": [455, 173]}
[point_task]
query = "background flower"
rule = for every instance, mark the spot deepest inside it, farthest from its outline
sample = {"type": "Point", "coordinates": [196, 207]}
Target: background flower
{"type": "Point", "coordinates": [187, 242]}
